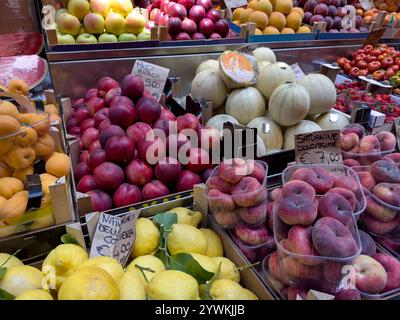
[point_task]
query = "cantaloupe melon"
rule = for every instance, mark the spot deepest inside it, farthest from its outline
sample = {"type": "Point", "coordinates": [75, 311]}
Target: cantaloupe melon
{"type": "Point", "coordinates": [321, 90]}
{"type": "Point", "coordinates": [303, 127]}
{"type": "Point", "coordinates": [277, 20]}
{"type": "Point", "coordinates": [209, 85]}
{"type": "Point", "coordinates": [273, 76]}
{"type": "Point", "coordinates": [332, 120]}
{"type": "Point", "coordinates": [264, 54]}
{"type": "Point", "coordinates": [218, 121]}
{"type": "Point", "coordinates": [236, 69]}
{"type": "Point", "coordinates": [209, 64]}
{"type": "Point", "coordinates": [269, 131]}
{"type": "Point", "coordinates": [245, 104]}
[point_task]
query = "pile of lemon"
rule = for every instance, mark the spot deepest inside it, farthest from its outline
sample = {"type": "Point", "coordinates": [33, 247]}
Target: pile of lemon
{"type": "Point", "coordinates": [69, 274]}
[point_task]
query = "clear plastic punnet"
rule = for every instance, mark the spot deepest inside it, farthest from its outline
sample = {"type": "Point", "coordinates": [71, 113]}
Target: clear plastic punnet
{"type": "Point", "coordinates": [380, 218]}
{"type": "Point", "coordinates": [315, 228]}
{"type": "Point", "coordinates": [236, 193]}
{"type": "Point", "coordinates": [344, 177]}
{"type": "Point", "coordinates": [25, 143]}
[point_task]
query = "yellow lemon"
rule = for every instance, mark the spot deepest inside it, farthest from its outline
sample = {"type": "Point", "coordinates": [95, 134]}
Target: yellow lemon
{"type": "Point", "coordinates": [187, 216]}
{"type": "Point", "coordinates": [20, 279]}
{"type": "Point", "coordinates": [35, 295]}
{"type": "Point", "coordinates": [186, 238]}
{"type": "Point", "coordinates": [148, 261]}
{"type": "Point", "coordinates": [225, 289]}
{"type": "Point", "coordinates": [11, 260]}
{"type": "Point", "coordinates": [173, 285]}
{"type": "Point", "coordinates": [131, 287]}
{"type": "Point", "coordinates": [214, 247]}
{"type": "Point", "coordinates": [147, 238]}
{"type": "Point", "coordinates": [90, 283]}
{"type": "Point", "coordinates": [110, 265]}
{"type": "Point", "coordinates": [63, 261]}
{"type": "Point", "coordinates": [228, 269]}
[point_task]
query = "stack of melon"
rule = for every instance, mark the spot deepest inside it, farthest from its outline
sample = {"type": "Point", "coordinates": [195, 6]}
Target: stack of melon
{"type": "Point", "coordinates": [272, 17]}
{"type": "Point", "coordinates": [270, 99]}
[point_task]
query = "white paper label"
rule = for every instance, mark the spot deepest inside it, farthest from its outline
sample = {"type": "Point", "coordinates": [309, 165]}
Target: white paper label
{"type": "Point", "coordinates": [349, 20]}
{"type": "Point", "coordinates": [114, 236]}
{"type": "Point", "coordinates": [297, 71]}
{"type": "Point", "coordinates": [235, 3]}
{"type": "Point", "coordinates": [154, 77]}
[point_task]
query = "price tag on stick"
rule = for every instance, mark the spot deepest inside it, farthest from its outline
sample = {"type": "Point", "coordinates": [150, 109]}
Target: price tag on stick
{"type": "Point", "coordinates": [154, 77]}
{"type": "Point", "coordinates": [319, 147]}
{"type": "Point", "coordinates": [114, 236]}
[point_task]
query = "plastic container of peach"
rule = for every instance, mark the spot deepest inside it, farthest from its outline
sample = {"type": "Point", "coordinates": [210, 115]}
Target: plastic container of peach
{"type": "Point", "coordinates": [380, 217]}
{"type": "Point", "coordinates": [343, 177]}
{"type": "Point", "coordinates": [236, 192]}
{"type": "Point", "coordinates": [315, 228]}
{"type": "Point", "coordinates": [24, 140]}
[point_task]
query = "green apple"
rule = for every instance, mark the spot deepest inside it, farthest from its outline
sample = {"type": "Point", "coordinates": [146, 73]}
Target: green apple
{"type": "Point", "coordinates": [65, 39]}
{"type": "Point", "coordinates": [125, 37]}
{"type": "Point", "coordinates": [67, 23]}
{"type": "Point", "coordinates": [78, 8]}
{"type": "Point", "coordinates": [135, 23]}
{"type": "Point", "coordinates": [100, 6]}
{"type": "Point", "coordinates": [107, 37]}
{"type": "Point", "coordinates": [94, 23]}
{"type": "Point", "coordinates": [60, 12]}
{"type": "Point", "coordinates": [145, 35]}
{"type": "Point", "coordinates": [86, 38]}
{"type": "Point", "coordinates": [115, 23]}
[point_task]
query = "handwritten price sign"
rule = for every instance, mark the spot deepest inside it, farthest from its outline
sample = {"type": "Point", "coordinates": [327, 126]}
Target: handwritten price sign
{"type": "Point", "coordinates": [319, 147]}
{"type": "Point", "coordinates": [114, 236]}
{"type": "Point", "coordinates": [154, 77]}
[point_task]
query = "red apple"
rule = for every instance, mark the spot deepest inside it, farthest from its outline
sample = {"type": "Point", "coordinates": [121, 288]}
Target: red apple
{"type": "Point", "coordinates": [108, 176]}
{"type": "Point", "coordinates": [221, 27]}
{"type": "Point", "coordinates": [121, 114]}
{"type": "Point", "coordinates": [94, 146]}
{"type": "Point", "coordinates": [148, 110]}
{"type": "Point", "coordinates": [206, 27]}
{"type": "Point", "coordinates": [138, 172]}
{"type": "Point", "coordinates": [186, 180]}
{"type": "Point", "coordinates": [151, 151]}
{"type": "Point", "coordinates": [84, 156]}
{"type": "Point", "coordinates": [110, 132]}
{"type": "Point", "coordinates": [100, 200]}
{"type": "Point", "coordinates": [119, 149]}
{"type": "Point", "coordinates": [167, 169]}
{"type": "Point", "coordinates": [132, 86]}
{"type": "Point", "coordinates": [206, 4]}
{"type": "Point", "coordinates": [137, 132]}
{"type": "Point", "coordinates": [214, 15]}
{"type": "Point", "coordinates": [90, 94]}
{"type": "Point", "coordinates": [105, 84]}
{"type": "Point", "coordinates": [116, 92]}
{"type": "Point", "coordinates": [104, 124]}
{"type": "Point", "coordinates": [126, 194]}
{"type": "Point", "coordinates": [86, 124]}
{"type": "Point", "coordinates": [174, 25]}
{"type": "Point", "coordinates": [188, 121]}
{"type": "Point", "coordinates": [199, 160]}
{"type": "Point", "coordinates": [177, 10]}
{"type": "Point", "coordinates": [154, 189]}
{"type": "Point", "coordinates": [96, 158]}
{"type": "Point", "coordinates": [86, 183]}
{"type": "Point", "coordinates": [95, 104]}
{"type": "Point", "coordinates": [81, 115]}
{"type": "Point", "coordinates": [189, 26]}
{"type": "Point", "coordinates": [90, 136]}
{"type": "Point", "coordinates": [100, 116]}
{"type": "Point", "coordinates": [197, 13]}
{"type": "Point", "coordinates": [82, 169]}
{"type": "Point", "coordinates": [167, 114]}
